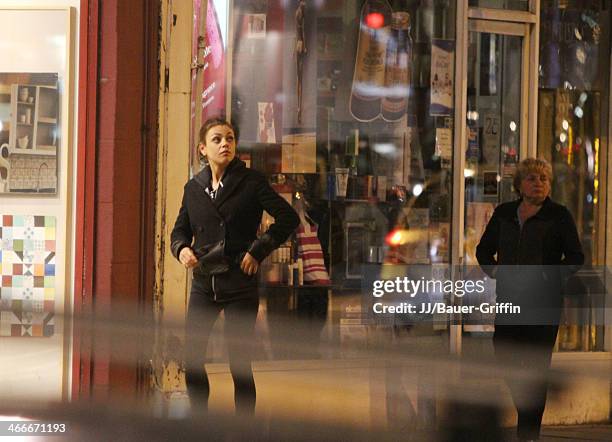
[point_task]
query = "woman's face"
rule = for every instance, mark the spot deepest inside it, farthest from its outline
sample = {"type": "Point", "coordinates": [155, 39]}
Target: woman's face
{"type": "Point", "coordinates": [219, 147]}
{"type": "Point", "coordinates": [535, 186]}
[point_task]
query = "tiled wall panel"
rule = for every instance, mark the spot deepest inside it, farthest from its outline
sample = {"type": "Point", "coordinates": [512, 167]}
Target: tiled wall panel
{"type": "Point", "coordinates": [27, 266]}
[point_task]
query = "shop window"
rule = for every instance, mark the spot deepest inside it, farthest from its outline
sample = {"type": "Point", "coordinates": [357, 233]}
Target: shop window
{"type": "Point", "coordinates": [573, 122]}
{"type": "Point", "coordinates": [348, 105]}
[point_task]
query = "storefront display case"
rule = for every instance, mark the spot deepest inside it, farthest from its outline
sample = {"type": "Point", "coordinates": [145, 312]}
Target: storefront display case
{"type": "Point", "coordinates": [367, 176]}
{"type": "Point", "coordinates": [573, 123]}
{"type": "Point", "coordinates": [355, 109]}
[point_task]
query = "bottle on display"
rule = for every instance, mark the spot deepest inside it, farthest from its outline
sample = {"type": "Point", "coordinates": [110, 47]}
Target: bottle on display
{"type": "Point", "coordinates": [352, 151]}
{"type": "Point", "coordinates": [398, 65]}
{"type": "Point", "coordinates": [369, 74]}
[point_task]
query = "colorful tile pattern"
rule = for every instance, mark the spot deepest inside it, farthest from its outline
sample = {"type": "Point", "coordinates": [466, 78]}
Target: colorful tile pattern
{"type": "Point", "coordinates": [27, 266]}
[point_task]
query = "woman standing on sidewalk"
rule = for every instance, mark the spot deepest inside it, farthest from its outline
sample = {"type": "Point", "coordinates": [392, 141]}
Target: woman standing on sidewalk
{"type": "Point", "coordinates": [529, 245]}
{"type": "Point", "coordinates": [215, 235]}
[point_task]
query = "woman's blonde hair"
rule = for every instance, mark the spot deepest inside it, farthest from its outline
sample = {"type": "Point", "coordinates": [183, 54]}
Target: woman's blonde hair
{"type": "Point", "coordinates": [530, 165]}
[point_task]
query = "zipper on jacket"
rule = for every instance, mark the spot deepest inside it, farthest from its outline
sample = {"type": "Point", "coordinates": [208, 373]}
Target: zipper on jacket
{"type": "Point", "coordinates": [213, 288]}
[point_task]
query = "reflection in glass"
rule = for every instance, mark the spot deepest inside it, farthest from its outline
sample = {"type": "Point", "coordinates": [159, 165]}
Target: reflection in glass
{"type": "Point", "coordinates": [493, 117]}
{"type": "Point", "coordinates": [573, 99]}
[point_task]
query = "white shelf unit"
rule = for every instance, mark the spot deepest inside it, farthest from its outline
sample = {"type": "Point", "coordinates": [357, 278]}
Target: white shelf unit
{"type": "Point", "coordinates": [34, 120]}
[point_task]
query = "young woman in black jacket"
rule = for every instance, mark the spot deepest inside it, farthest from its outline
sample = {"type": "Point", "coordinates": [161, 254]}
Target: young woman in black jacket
{"type": "Point", "coordinates": [529, 245]}
{"type": "Point", "coordinates": [215, 234]}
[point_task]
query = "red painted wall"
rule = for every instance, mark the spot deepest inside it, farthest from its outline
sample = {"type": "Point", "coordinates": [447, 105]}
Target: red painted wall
{"type": "Point", "coordinates": [117, 224]}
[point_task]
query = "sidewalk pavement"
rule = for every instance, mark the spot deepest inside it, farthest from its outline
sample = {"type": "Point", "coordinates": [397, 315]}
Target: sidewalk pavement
{"type": "Point", "coordinates": [577, 433]}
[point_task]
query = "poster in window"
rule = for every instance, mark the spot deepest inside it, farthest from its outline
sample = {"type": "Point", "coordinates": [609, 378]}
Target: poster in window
{"type": "Point", "coordinates": [442, 71]}
{"type": "Point", "coordinates": [444, 146]}
{"type": "Point", "coordinates": [208, 85]}
{"type": "Point", "coordinates": [266, 132]}
{"type": "Point", "coordinates": [255, 25]}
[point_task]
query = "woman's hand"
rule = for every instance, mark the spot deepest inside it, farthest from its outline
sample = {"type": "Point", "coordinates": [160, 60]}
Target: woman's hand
{"type": "Point", "coordinates": [188, 258]}
{"type": "Point", "coordinates": [249, 265]}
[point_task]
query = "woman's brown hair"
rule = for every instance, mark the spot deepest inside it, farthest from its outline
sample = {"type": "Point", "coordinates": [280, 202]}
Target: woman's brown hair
{"type": "Point", "coordinates": [216, 121]}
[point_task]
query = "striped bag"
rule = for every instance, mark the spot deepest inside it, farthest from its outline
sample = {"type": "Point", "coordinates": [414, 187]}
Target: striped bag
{"type": "Point", "coordinates": [309, 249]}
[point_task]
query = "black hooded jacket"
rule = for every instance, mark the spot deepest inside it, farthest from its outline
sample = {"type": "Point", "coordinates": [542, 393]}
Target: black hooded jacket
{"type": "Point", "coordinates": [233, 217]}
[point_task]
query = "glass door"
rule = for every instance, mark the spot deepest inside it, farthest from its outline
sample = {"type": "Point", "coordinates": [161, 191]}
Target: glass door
{"type": "Point", "coordinates": [496, 128]}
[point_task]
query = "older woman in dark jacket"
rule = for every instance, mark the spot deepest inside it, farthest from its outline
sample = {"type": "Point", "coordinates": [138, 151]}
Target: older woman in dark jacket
{"type": "Point", "coordinates": [528, 247]}
{"type": "Point", "coordinates": [215, 234]}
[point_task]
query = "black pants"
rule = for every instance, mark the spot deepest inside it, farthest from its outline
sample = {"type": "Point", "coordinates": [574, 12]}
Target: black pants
{"type": "Point", "coordinates": [525, 351]}
{"type": "Point", "coordinates": [240, 316]}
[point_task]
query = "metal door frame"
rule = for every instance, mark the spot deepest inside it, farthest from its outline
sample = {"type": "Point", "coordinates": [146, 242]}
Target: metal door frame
{"type": "Point", "coordinates": [522, 23]}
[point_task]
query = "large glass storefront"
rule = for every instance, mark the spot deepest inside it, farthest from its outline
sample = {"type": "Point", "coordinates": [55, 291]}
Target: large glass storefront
{"type": "Point", "coordinates": [573, 124]}
{"type": "Point", "coordinates": [356, 111]}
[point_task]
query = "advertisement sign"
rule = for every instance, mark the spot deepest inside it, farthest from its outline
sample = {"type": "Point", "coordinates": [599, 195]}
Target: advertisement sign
{"type": "Point", "coordinates": [442, 71]}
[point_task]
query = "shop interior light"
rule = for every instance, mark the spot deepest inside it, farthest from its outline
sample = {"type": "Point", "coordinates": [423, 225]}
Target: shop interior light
{"type": "Point", "coordinates": [565, 125]}
{"type": "Point", "coordinates": [375, 20]}
{"type": "Point", "coordinates": [417, 189]}
{"type": "Point", "coordinates": [394, 238]}
{"type": "Point", "coordinates": [588, 146]}
{"type": "Point", "coordinates": [578, 112]}
{"type": "Point", "coordinates": [386, 149]}
{"type": "Point", "coordinates": [468, 173]}
{"type": "Point", "coordinates": [563, 137]}
{"type": "Point", "coordinates": [596, 174]}
{"type": "Point", "coordinates": [513, 126]}
{"type": "Point", "coordinates": [414, 235]}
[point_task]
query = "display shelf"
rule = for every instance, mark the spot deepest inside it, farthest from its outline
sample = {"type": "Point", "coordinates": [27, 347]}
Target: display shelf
{"type": "Point", "coordinates": [47, 120]}
{"type": "Point", "coordinates": [37, 104]}
{"type": "Point", "coordinates": [38, 152]}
